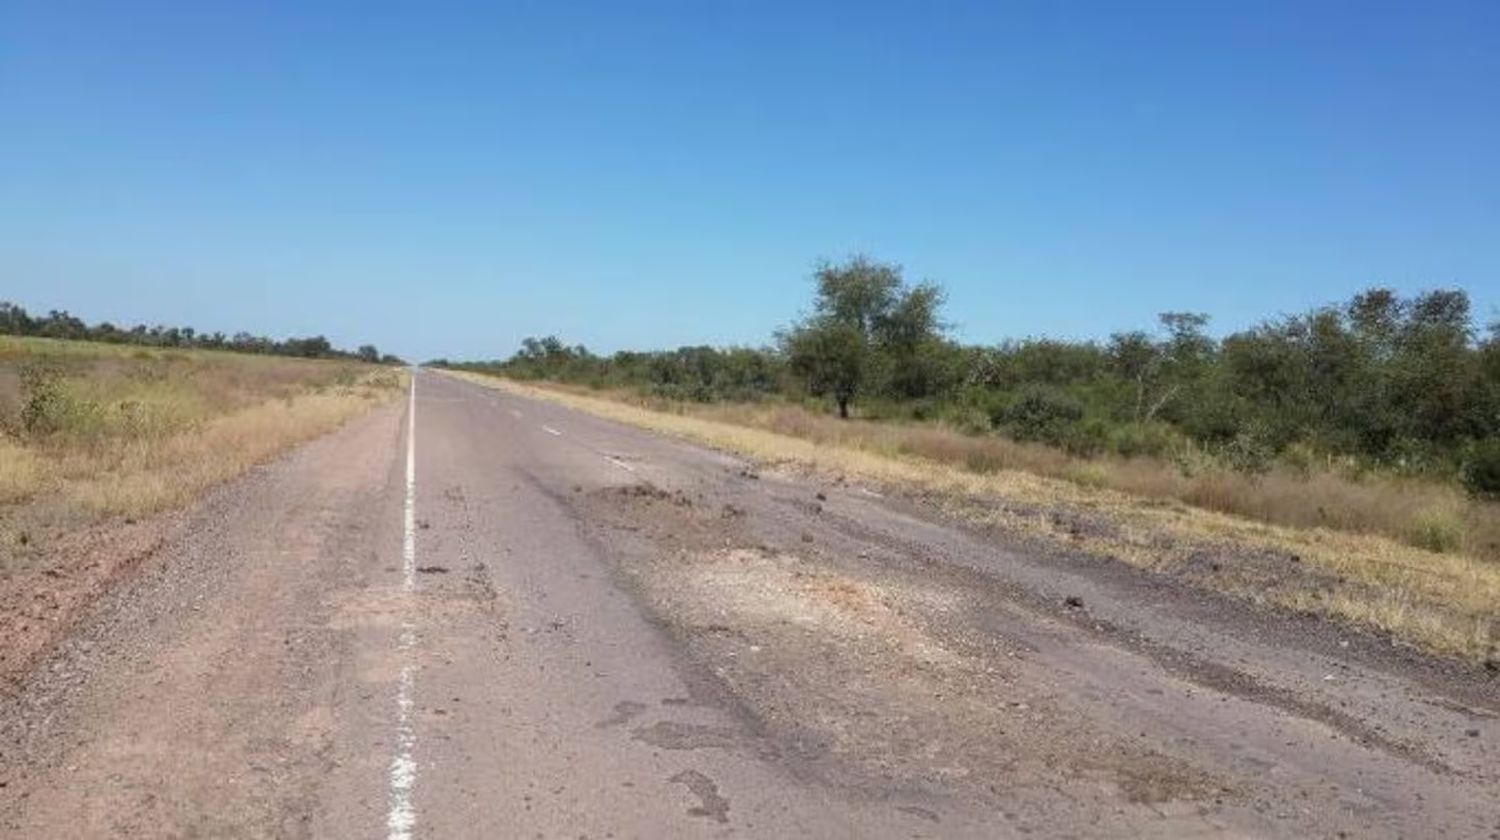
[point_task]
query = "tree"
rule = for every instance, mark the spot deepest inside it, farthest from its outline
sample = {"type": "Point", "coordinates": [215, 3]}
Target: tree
{"type": "Point", "coordinates": [858, 293]}
{"type": "Point", "coordinates": [312, 347]}
{"type": "Point", "coordinates": [909, 334]}
{"type": "Point", "coordinates": [14, 320]}
{"type": "Point", "coordinates": [867, 325]}
{"type": "Point", "coordinates": [831, 356]}
{"type": "Point", "coordinates": [1434, 376]}
{"type": "Point", "coordinates": [368, 353]}
{"type": "Point", "coordinates": [1138, 359]}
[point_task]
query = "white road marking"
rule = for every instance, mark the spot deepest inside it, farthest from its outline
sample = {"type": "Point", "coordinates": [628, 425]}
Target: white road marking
{"type": "Point", "coordinates": [621, 464]}
{"type": "Point", "coordinates": [401, 817]}
{"type": "Point", "coordinates": [409, 537]}
{"type": "Point", "coordinates": [551, 431]}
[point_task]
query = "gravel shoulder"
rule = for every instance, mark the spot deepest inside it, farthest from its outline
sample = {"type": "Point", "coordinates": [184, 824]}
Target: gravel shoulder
{"type": "Point", "coordinates": [211, 691]}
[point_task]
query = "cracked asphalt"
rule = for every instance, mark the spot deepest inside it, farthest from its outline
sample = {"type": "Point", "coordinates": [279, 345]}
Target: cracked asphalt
{"type": "Point", "coordinates": [598, 632]}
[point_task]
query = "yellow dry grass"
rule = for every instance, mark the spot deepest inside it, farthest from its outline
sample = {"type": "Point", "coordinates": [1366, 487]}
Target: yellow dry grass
{"type": "Point", "coordinates": [1423, 513]}
{"type": "Point", "coordinates": [1444, 602]}
{"type": "Point", "coordinates": [149, 476]}
{"type": "Point", "coordinates": [20, 473]}
{"type": "Point", "coordinates": [130, 431]}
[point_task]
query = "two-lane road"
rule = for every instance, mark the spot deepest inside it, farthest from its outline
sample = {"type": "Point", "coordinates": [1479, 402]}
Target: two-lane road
{"type": "Point", "coordinates": [476, 615]}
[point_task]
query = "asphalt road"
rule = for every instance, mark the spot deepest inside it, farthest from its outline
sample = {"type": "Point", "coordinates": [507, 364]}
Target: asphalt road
{"type": "Point", "coordinates": [475, 615]}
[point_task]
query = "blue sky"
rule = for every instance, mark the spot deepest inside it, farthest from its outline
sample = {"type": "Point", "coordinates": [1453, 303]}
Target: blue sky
{"type": "Point", "coordinates": [446, 178]}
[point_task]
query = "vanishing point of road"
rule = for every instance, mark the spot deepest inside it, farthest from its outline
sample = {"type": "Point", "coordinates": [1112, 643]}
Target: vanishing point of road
{"type": "Point", "coordinates": [472, 614]}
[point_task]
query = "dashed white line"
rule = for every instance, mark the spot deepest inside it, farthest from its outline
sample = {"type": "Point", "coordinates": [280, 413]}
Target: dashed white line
{"type": "Point", "coordinates": [401, 817]}
{"type": "Point", "coordinates": [551, 431]}
{"type": "Point", "coordinates": [621, 464]}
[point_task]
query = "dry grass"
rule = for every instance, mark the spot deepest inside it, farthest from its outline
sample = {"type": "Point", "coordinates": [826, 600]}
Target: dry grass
{"type": "Point", "coordinates": [154, 475]}
{"type": "Point", "coordinates": [100, 430]}
{"type": "Point", "coordinates": [20, 473]}
{"type": "Point", "coordinates": [1444, 602]}
{"type": "Point", "coordinates": [1423, 514]}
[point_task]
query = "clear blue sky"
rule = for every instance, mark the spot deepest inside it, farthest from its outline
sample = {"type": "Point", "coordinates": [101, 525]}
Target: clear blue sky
{"type": "Point", "coordinates": [443, 179]}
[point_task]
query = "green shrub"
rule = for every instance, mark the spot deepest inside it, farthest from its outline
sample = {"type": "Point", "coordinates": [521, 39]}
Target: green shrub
{"type": "Point", "coordinates": [1436, 530]}
{"type": "Point", "coordinates": [1151, 440]}
{"type": "Point", "coordinates": [1481, 470]}
{"type": "Point", "coordinates": [1039, 413]}
{"type": "Point", "coordinates": [43, 403]}
{"type": "Point", "coordinates": [925, 408]}
{"type": "Point", "coordinates": [1248, 453]}
{"type": "Point", "coordinates": [1086, 438]}
{"type": "Point", "coordinates": [1088, 475]}
{"type": "Point", "coordinates": [967, 419]}
{"type": "Point", "coordinates": [1301, 457]}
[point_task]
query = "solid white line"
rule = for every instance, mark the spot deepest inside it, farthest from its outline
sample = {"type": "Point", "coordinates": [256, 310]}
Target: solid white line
{"type": "Point", "coordinates": [551, 431]}
{"type": "Point", "coordinates": [409, 538]}
{"type": "Point", "coordinates": [401, 818]}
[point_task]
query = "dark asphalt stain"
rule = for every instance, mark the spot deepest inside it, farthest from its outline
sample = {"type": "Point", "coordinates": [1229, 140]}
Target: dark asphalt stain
{"type": "Point", "coordinates": [624, 711]}
{"type": "Point", "coordinates": [916, 811]}
{"type": "Point", "coordinates": [712, 805]}
{"type": "Point", "coordinates": [671, 735]}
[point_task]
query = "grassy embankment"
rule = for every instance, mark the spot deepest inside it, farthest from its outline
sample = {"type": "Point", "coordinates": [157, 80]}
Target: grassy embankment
{"type": "Point", "coordinates": [1318, 543]}
{"type": "Point", "coordinates": [89, 431]}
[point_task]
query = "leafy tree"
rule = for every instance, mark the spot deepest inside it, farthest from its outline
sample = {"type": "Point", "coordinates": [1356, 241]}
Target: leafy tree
{"type": "Point", "coordinates": [1404, 383]}
{"type": "Point", "coordinates": [1434, 374]}
{"type": "Point", "coordinates": [1481, 472]}
{"type": "Point", "coordinates": [832, 357]}
{"type": "Point", "coordinates": [859, 293]}
{"type": "Point", "coordinates": [1138, 359]}
{"type": "Point", "coordinates": [909, 334]}
{"type": "Point", "coordinates": [312, 347]}
{"type": "Point", "coordinates": [15, 320]}
{"type": "Point", "coordinates": [868, 330]}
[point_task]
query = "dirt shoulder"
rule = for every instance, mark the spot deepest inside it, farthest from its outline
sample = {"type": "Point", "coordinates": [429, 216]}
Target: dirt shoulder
{"type": "Point", "coordinates": [58, 556]}
{"type": "Point", "coordinates": [210, 690]}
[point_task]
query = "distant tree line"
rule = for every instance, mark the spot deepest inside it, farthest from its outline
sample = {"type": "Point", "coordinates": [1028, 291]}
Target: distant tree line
{"type": "Point", "coordinates": [1407, 384]}
{"type": "Point", "coordinates": [15, 320]}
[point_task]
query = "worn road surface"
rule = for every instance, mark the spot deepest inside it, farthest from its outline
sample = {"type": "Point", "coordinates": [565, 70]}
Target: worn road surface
{"type": "Point", "coordinates": [474, 615]}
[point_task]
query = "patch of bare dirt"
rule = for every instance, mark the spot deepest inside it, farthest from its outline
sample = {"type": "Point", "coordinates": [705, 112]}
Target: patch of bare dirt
{"type": "Point", "coordinates": [47, 584]}
{"type": "Point", "coordinates": [843, 667]}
